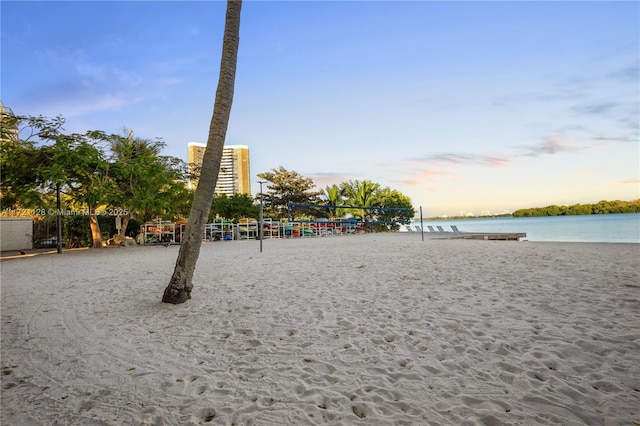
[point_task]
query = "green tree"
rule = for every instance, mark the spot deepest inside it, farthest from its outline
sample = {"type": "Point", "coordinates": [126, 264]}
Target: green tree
{"type": "Point", "coordinates": [145, 180]}
{"type": "Point", "coordinates": [605, 207]}
{"type": "Point", "coordinates": [579, 209]}
{"type": "Point", "coordinates": [79, 159]}
{"type": "Point", "coordinates": [179, 203]}
{"type": "Point", "coordinates": [361, 194]}
{"type": "Point", "coordinates": [236, 207]}
{"type": "Point", "coordinates": [20, 186]}
{"type": "Point", "coordinates": [22, 162]}
{"type": "Point", "coordinates": [288, 187]}
{"type": "Point", "coordinates": [552, 210]}
{"type": "Point", "coordinates": [334, 195]}
{"type": "Point", "coordinates": [180, 285]}
{"type": "Point", "coordinates": [48, 159]}
{"type": "Point", "coordinates": [391, 198]}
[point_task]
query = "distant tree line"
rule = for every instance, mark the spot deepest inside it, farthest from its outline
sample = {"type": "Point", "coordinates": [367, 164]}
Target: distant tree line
{"type": "Point", "coordinates": [601, 207]}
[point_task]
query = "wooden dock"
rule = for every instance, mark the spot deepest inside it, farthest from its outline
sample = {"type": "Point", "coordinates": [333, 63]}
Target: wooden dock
{"type": "Point", "coordinates": [455, 234]}
{"type": "Point", "coordinates": [503, 236]}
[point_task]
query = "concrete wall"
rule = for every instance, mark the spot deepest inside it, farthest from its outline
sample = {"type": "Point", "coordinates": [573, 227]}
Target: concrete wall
{"type": "Point", "coordinates": [16, 233]}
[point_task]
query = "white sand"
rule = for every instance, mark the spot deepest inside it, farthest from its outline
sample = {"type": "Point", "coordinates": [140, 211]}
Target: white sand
{"type": "Point", "coordinates": [371, 329]}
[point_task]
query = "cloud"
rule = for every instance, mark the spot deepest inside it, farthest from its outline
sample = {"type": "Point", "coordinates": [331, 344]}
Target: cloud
{"type": "Point", "coordinates": [323, 179]}
{"type": "Point", "coordinates": [77, 106]}
{"type": "Point", "coordinates": [442, 168]}
{"type": "Point", "coordinates": [555, 144]}
{"type": "Point", "coordinates": [61, 57]}
{"type": "Point", "coordinates": [107, 74]}
{"type": "Point", "coordinates": [432, 175]}
{"type": "Point", "coordinates": [534, 98]}
{"type": "Point", "coordinates": [552, 145]}
{"type": "Point", "coordinates": [493, 161]}
{"type": "Point", "coordinates": [605, 140]}
{"type": "Point", "coordinates": [73, 98]}
{"type": "Point", "coordinates": [454, 158]}
{"type": "Point", "coordinates": [629, 74]}
{"type": "Point", "coordinates": [622, 114]}
{"type": "Point", "coordinates": [91, 86]}
{"type": "Point", "coordinates": [448, 157]}
{"type": "Point", "coordinates": [631, 122]}
{"type": "Point", "coordinates": [595, 109]}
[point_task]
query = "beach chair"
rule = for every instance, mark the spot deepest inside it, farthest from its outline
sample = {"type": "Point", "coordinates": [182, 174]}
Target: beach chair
{"type": "Point", "coordinates": [431, 228]}
{"type": "Point", "coordinates": [418, 228]}
{"type": "Point", "coordinates": [440, 229]}
{"type": "Point", "coordinates": [455, 228]}
{"type": "Point", "coordinates": [408, 228]}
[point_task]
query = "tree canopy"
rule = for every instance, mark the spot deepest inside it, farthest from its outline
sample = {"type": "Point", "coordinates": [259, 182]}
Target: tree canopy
{"type": "Point", "coordinates": [145, 180]}
{"type": "Point", "coordinates": [287, 187]}
{"type": "Point", "coordinates": [95, 172]}
{"type": "Point", "coordinates": [233, 207]}
{"type": "Point", "coordinates": [129, 176]}
{"type": "Point", "coordinates": [364, 199]}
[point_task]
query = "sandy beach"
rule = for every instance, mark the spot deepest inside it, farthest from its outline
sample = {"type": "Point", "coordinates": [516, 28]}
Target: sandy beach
{"type": "Point", "coordinates": [377, 329]}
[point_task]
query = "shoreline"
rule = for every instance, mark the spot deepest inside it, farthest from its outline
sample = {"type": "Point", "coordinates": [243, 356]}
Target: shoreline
{"type": "Point", "coordinates": [429, 236]}
{"type": "Point", "coordinates": [365, 329]}
{"type": "Point", "coordinates": [620, 227]}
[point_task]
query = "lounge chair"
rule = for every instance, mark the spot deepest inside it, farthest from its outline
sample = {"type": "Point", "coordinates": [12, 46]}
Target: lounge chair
{"type": "Point", "coordinates": [440, 229]}
{"type": "Point", "coordinates": [455, 228]}
{"type": "Point", "coordinates": [408, 228]}
{"type": "Point", "coordinates": [431, 228]}
{"type": "Point", "coordinates": [418, 228]}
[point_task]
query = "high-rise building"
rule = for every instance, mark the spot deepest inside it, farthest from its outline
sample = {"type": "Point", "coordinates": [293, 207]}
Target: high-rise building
{"type": "Point", "coordinates": [9, 127]}
{"type": "Point", "coordinates": [234, 175]}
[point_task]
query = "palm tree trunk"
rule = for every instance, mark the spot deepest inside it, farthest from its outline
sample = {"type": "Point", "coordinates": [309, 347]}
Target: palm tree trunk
{"type": "Point", "coordinates": [180, 285]}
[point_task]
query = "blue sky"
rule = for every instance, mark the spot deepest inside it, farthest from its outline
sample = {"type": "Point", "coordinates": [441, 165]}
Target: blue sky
{"type": "Point", "coordinates": [462, 106]}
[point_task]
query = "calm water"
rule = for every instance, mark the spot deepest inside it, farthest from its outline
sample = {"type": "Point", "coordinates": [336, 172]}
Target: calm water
{"type": "Point", "coordinates": [607, 228]}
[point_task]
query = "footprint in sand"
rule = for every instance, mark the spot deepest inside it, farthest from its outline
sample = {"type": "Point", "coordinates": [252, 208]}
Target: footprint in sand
{"type": "Point", "coordinates": [266, 402]}
{"type": "Point", "coordinates": [389, 338]}
{"type": "Point", "coordinates": [208, 414]}
{"type": "Point", "coordinates": [360, 410]}
{"type": "Point", "coordinates": [85, 406]}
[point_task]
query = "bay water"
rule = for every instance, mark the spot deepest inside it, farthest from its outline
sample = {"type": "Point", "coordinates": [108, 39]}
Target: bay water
{"type": "Point", "coordinates": [603, 228]}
